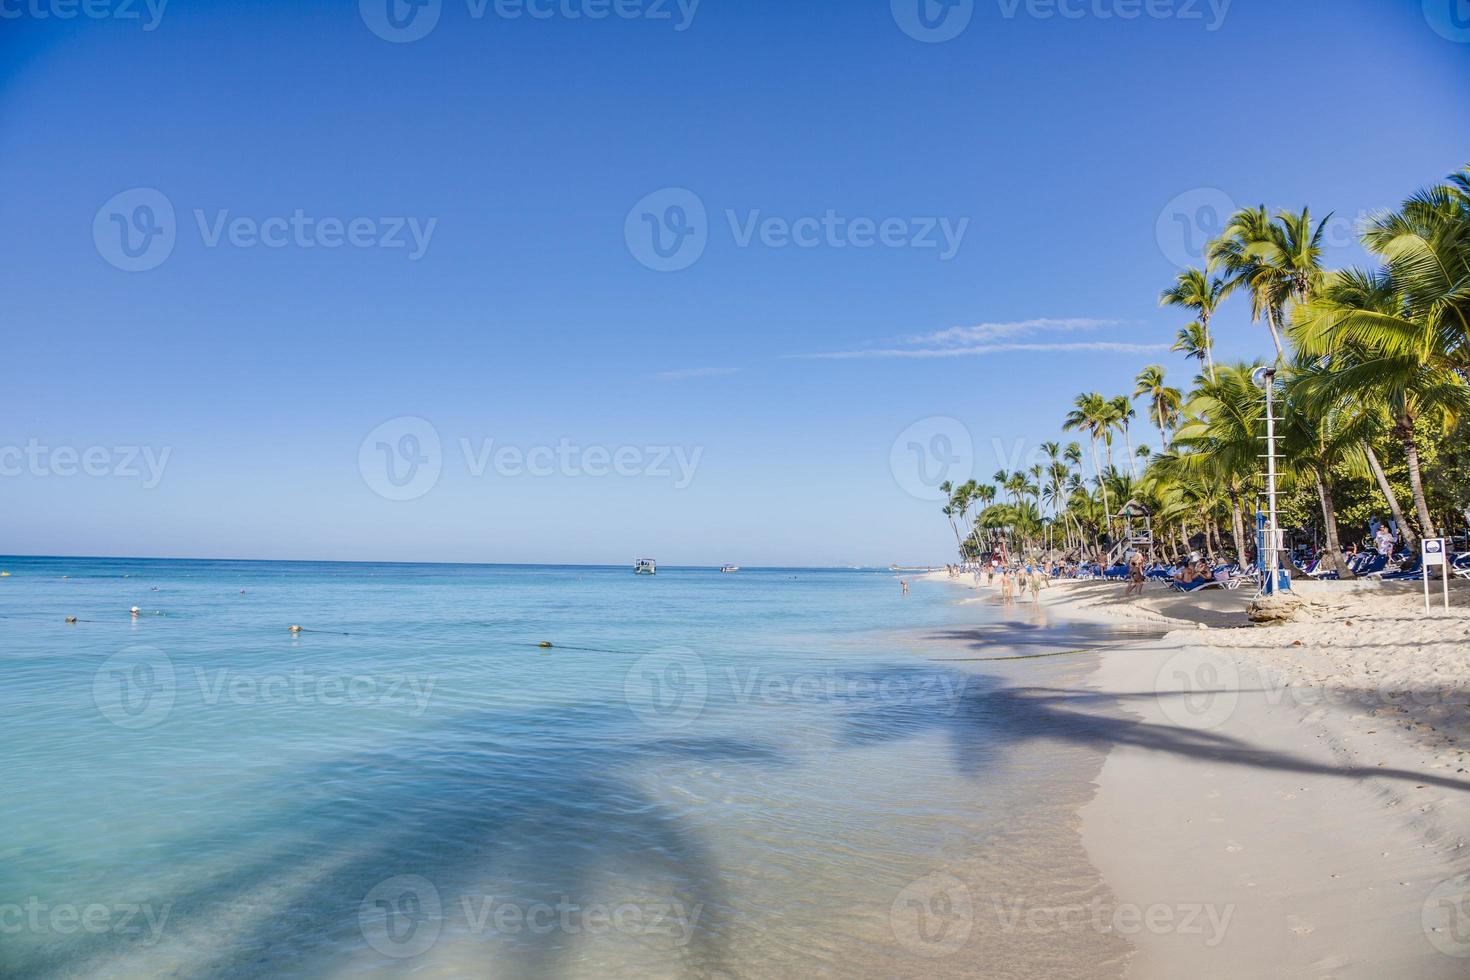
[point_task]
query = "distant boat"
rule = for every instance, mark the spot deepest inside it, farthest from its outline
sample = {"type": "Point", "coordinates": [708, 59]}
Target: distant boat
{"type": "Point", "coordinates": [645, 566]}
{"type": "Point", "coordinates": [729, 568]}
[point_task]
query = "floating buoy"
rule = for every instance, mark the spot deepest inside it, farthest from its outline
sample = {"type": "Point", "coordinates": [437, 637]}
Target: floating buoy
{"type": "Point", "coordinates": [296, 629]}
{"type": "Point", "coordinates": [545, 644]}
{"type": "Point", "coordinates": [135, 611]}
{"type": "Point", "coordinates": [71, 619]}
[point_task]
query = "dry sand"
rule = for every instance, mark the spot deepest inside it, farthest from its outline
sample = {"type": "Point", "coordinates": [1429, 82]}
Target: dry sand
{"type": "Point", "coordinates": [1281, 810]}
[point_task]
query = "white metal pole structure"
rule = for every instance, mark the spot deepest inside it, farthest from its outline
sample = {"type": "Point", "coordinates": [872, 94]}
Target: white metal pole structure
{"type": "Point", "coordinates": [1265, 377]}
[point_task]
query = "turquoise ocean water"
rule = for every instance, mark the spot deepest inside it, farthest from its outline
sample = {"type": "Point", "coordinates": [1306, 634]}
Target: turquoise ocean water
{"type": "Point", "coordinates": [757, 774]}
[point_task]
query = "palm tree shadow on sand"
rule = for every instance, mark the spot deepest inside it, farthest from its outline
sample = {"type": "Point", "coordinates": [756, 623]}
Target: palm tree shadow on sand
{"type": "Point", "coordinates": [985, 716]}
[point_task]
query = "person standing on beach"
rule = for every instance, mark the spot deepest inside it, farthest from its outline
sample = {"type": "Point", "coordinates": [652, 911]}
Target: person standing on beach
{"type": "Point", "coordinates": [1135, 574]}
{"type": "Point", "coordinates": [1007, 587]}
{"type": "Point", "coordinates": [1035, 584]}
{"type": "Point", "coordinates": [1383, 540]}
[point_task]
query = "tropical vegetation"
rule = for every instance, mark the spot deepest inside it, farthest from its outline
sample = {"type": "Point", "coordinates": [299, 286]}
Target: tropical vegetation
{"type": "Point", "coordinates": [1369, 369]}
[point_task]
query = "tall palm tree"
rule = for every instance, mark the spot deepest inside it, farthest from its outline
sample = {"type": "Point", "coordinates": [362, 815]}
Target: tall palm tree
{"type": "Point", "coordinates": [1242, 250]}
{"type": "Point", "coordinates": [1194, 342]}
{"type": "Point", "coordinates": [1092, 414]}
{"type": "Point", "coordinates": [1385, 350]}
{"type": "Point", "coordinates": [1196, 290]}
{"type": "Point", "coordinates": [1221, 439]}
{"type": "Point", "coordinates": [1163, 400]}
{"type": "Point", "coordinates": [1123, 416]}
{"type": "Point", "coordinates": [1320, 434]}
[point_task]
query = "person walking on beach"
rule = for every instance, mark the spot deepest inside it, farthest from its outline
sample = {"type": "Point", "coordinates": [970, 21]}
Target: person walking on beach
{"type": "Point", "coordinates": [1035, 584]}
{"type": "Point", "coordinates": [1135, 574]}
{"type": "Point", "coordinates": [1383, 541]}
{"type": "Point", "coordinates": [1007, 587]}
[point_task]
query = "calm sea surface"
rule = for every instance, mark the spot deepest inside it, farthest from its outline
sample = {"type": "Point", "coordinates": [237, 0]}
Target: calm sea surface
{"type": "Point", "coordinates": [762, 774]}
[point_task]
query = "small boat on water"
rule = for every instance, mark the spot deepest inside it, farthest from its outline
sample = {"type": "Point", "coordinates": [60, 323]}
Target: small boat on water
{"type": "Point", "coordinates": [729, 569]}
{"type": "Point", "coordinates": [645, 566]}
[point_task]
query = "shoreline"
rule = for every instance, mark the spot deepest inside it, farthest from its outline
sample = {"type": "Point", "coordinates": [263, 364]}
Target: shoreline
{"type": "Point", "coordinates": [1283, 801]}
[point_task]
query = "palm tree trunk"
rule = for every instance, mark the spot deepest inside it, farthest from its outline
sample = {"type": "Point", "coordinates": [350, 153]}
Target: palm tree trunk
{"type": "Point", "coordinates": [1329, 525]}
{"type": "Point", "coordinates": [1237, 527]}
{"type": "Point", "coordinates": [1416, 480]}
{"type": "Point", "coordinates": [1271, 316]}
{"type": "Point", "coordinates": [1163, 432]}
{"type": "Point", "coordinates": [1097, 468]}
{"type": "Point", "coordinates": [1204, 321]}
{"type": "Point", "coordinates": [1388, 492]}
{"type": "Point", "coordinates": [1132, 460]}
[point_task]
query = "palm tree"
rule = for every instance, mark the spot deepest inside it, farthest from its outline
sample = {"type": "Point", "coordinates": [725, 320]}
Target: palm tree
{"type": "Point", "coordinates": [1427, 245]}
{"type": "Point", "coordinates": [1193, 341]}
{"type": "Point", "coordinates": [1321, 433]}
{"type": "Point", "coordinates": [1222, 439]}
{"type": "Point", "coordinates": [1092, 414]}
{"type": "Point", "coordinates": [1385, 351]}
{"type": "Point", "coordinates": [1241, 249]}
{"type": "Point", "coordinates": [1164, 401]}
{"type": "Point", "coordinates": [1195, 290]}
{"type": "Point", "coordinates": [1123, 416]}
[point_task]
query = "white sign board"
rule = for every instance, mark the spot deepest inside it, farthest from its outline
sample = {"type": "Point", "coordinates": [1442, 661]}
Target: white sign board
{"type": "Point", "coordinates": [1434, 556]}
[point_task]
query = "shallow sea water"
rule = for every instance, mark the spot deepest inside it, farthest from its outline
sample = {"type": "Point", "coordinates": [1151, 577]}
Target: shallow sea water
{"type": "Point", "coordinates": [766, 774]}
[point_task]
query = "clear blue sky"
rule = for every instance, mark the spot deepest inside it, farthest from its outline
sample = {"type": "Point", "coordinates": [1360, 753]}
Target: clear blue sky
{"type": "Point", "coordinates": [529, 320]}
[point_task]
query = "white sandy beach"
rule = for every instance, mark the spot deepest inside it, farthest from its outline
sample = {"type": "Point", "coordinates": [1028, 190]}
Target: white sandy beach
{"type": "Point", "coordinates": [1288, 801]}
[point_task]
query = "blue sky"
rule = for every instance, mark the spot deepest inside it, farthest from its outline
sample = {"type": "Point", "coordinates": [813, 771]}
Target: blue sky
{"type": "Point", "coordinates": [527, 151]}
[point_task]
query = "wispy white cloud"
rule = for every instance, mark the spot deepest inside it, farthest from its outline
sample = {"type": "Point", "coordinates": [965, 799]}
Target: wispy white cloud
{"type": "Point", "coordinates": [987, 332]}
{"type": "Point", "coordinates": [995, 338]}
{"type": "Point", "coordinates": [700, 372]}
{"type": "Point", "coordinates": [976, 350]}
